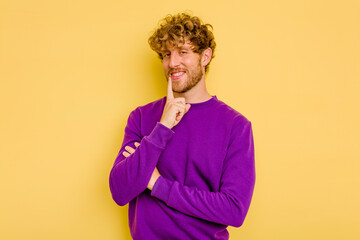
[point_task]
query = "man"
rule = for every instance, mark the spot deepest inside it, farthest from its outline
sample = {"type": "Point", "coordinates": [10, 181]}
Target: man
{"type": "Point", "coordinates": [186, 165]}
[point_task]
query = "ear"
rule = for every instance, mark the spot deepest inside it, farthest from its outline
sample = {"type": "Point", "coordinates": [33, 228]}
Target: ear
{"type": "Point", "coordinates": [206, 57]}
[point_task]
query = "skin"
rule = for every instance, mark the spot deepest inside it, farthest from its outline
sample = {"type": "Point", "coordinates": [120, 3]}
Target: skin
{"type": "Point", "coordinates": [188, 87]}
{"type": "Point", "coordinates": [183, 58]}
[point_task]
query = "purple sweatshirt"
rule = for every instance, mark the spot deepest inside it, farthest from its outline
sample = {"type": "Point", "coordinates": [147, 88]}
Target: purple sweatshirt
{"type": "Point", "coordinates": [207, 172]}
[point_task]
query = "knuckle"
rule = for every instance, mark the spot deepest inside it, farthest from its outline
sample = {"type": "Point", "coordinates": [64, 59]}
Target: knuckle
{"type": "Point", "coordinates": [180, 99]}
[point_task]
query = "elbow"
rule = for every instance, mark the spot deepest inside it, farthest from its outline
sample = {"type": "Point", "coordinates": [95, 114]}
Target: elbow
{"type": "Point", "coordinates": [117, 195]}
{"type": "Point", "coordinates": [119, 201]}
{"type": "Point", "coordinates": [122, 191]}
{"type": "Point", "coordinates": [237, 214]}
{"type": "Point", "coordinates": [237, 218]}
{"type": "Point", "coordinates": [237, 223]}
{"type": "Point", "coordinates": [240, 208]}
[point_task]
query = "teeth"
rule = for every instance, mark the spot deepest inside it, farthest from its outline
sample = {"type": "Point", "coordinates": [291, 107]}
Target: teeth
{"type": "Point", "coordinates": [177, 74]}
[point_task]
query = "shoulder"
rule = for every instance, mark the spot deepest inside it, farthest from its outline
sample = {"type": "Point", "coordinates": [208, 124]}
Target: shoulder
{"type": "Point", "coordinates": [240, 126]}
{"type": "Point", "coordinates": [146, 116]}
{"type": "Point", "coordinates": [230, 114]}
{"type": "Point", "coordinates": [151, 107]}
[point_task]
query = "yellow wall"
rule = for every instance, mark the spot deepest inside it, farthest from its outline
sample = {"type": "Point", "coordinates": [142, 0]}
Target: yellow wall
{"type": "Point", "coordinates": [71, 72]}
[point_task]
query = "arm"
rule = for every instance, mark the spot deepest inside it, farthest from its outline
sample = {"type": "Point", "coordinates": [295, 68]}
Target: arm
{"type": "Point", "coordinates": [130, 175]}
{"type": "Point", "coordinates": [230, 204]}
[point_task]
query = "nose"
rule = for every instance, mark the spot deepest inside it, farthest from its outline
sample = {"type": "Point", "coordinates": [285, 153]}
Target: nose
{"type": "Point", "coordinates": [174, 60]}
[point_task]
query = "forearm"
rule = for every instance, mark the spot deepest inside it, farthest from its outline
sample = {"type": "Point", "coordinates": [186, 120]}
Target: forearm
{"type": "Point", "coordinates": [227, 205]}
{"type": "Point", "coordinates": [130, 176]}
{"type": "Point", "coordinates": [223, 207]}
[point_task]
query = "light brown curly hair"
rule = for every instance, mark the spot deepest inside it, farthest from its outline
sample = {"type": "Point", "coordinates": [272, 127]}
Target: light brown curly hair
{"type": "Point", "coordinates": [179, 28]}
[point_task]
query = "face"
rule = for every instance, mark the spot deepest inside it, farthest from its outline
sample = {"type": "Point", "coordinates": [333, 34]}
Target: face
{"type": "Point", "coordinates": [183, 66]}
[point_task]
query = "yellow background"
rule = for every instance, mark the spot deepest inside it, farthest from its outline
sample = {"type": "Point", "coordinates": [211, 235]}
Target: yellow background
{"type": "Point", "coordinates": [71, 72]}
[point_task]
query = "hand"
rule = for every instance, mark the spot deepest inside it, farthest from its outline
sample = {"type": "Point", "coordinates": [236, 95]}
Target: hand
{"type": "Point", "coordinates": [155, 175]}
{"type": "Point", "coordinates": [130, 150]}
{"type": "Point", "coordinates": [175, 108]}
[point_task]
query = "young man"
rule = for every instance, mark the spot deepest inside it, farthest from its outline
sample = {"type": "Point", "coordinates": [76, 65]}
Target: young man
{"type": "Point", "coordinates": [186, 166]}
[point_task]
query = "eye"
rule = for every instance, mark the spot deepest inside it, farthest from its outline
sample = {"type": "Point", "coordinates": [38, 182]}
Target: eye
{"type": "Point", "coordinates": [183, 52]}
{"type": "Point", "coordinates": [166, 55]}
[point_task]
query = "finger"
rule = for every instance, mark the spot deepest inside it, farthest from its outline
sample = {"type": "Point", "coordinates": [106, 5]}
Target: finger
{"type": "Point", "coordinates": [179, 100]}
{"type": "Point", "coordinates": [136, 144]}
{"type": "Point", "coordinates": [170, 94]}
{"type": "Point", "coordinates": [130, 149]}
{"type": "Point", "coordinates": [179, 107]}
{"type": "Point", "coordinates": [181, 112]}
{"type": "Point", "coordinates": [187, 107]}
{"type": "Point", "coordinates": [178, 104]}
{"type": "Point", "coordinates": [179, 116]}
{"type": "Point", "coordinates": [125, 154]}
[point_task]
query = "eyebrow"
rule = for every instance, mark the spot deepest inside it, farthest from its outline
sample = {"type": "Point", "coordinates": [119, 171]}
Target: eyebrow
{"type": "Point", "coordinates": [179, 48]}
{"type": "Point", "coordinates": [186, 47]}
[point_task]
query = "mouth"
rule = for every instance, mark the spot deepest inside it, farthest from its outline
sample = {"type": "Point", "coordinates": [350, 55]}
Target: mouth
{"type": "Point", "coordinates": [177, 75]}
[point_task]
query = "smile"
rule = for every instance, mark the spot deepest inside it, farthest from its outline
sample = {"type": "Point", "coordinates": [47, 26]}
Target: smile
{"type": "Point", "coordinates": [177, 74]}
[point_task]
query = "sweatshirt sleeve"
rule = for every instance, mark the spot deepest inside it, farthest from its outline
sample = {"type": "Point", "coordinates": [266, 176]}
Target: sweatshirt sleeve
{"type": "Point", "coordinates": [230, 204]}
{"type": "Point", "coordinates": [129, 176]}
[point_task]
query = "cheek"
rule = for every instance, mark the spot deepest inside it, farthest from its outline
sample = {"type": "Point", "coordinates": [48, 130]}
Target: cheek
{"type": "Point", "coordinates": [165, 65]}
{"type": "Point", "coordinates": [193, 61]}
{"type": "Point", "coordinates": [188, 61]}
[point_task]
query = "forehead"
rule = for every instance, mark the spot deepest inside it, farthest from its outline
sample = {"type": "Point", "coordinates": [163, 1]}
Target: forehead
{"type": "Point", "coordinates": [173, 47]}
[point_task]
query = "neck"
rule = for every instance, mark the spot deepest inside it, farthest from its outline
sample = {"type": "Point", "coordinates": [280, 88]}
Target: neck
{"type": "Point", "coordinates": [197, 94]}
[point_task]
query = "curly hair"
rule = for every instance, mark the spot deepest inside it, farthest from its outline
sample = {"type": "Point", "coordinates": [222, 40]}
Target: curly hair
{"type": "Point", "coordinates": [177, 29]}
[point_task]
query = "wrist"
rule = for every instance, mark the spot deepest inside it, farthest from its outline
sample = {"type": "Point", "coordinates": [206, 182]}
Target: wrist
{"type": "Point", "coordinates": [152, 182]}
{"type": "Point", "coordinates": [165, 124]}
